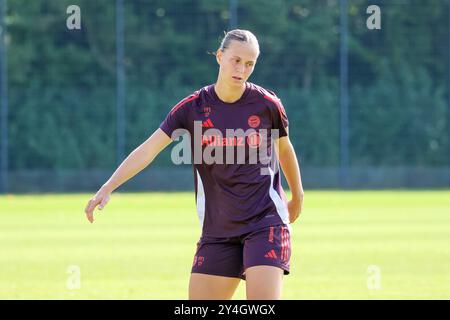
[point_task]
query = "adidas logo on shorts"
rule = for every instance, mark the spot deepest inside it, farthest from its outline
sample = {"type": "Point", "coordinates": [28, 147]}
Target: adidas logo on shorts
{"type": "Point", "coordinates": [271, 254]}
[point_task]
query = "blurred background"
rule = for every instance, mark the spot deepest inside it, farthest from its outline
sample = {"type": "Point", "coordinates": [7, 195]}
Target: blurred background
{"type": "Point", "coordinates": [368, 108]}
{"type": "Point", "coordinates": [367, 94]}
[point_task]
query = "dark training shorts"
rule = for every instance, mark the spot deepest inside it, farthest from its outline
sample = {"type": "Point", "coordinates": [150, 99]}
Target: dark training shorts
{"type": "Point", "coordinates": [230, 257]}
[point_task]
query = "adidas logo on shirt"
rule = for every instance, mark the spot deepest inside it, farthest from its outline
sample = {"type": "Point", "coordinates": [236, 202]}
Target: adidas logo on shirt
{"type": "Point", "coordinates": [207, 124]}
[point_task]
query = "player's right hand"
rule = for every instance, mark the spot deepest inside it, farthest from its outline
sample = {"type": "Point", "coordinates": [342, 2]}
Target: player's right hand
{"type": "Point", "coordinates": [100, 199]}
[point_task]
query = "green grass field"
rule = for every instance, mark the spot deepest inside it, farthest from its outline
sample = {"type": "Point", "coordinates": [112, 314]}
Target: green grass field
{"type": "Point", "coordinates": [142, 245]}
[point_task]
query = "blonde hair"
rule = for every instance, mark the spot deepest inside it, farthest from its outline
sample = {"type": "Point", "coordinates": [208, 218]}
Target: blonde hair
{"type": "Point", "coordinates": [238, 35]}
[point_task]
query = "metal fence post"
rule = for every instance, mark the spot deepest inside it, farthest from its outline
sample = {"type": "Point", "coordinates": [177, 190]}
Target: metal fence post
{"type": "Point", "coordinates": [344, 112]}
{"type": "Point", "coordinates": [120, 85]}
{"type": "Point", "coordinates": [448, 93]}
{"type": "Point", "coordinates": [233, 14]}
{"type": "Point", "coordinates": [3, 102]}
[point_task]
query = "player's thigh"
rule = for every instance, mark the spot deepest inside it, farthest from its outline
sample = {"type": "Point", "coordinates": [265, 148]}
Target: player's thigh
{"type": "Point", "coordinates": [264, 282]}
{"type": "Point", "coordinates": [211, 287]}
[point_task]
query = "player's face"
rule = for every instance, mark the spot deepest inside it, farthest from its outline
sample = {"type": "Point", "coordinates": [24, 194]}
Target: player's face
{"type": "Point", "coordinates": [237, 62]}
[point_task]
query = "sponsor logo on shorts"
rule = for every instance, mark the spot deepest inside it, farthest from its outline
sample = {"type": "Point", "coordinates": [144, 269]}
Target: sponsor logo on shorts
{"type": "Point", "coordinates": [271, 255]}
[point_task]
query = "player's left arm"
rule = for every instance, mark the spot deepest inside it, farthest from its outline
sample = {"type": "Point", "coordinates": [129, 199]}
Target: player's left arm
{"type": "Point", "coordinates": [291, 170]}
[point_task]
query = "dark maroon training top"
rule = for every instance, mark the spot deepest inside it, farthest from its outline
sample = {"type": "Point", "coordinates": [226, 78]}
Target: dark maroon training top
{"type": "Point", "coordinates": [234, 194]}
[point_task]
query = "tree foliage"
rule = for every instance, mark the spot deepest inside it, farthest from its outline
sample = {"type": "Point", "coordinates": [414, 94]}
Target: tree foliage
{"type": "Point", "coordinates": [62, 82]}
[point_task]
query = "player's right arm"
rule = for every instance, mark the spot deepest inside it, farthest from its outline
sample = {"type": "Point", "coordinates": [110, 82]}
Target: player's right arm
{"type": "Point", "coordinates": [136, 161]}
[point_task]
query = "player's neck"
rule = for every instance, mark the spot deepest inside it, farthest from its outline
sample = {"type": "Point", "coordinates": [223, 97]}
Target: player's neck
{"type": "Point", "coordinates": [228, 94]}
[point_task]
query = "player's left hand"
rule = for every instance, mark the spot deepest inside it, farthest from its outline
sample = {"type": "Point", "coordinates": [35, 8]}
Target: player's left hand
{"type": "Point", "coordinates": [295, 208]}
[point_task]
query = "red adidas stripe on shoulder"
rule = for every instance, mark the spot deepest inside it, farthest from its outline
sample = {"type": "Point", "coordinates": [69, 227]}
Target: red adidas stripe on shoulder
{"type": "Point", "coordinates": [184, 101]}
{"type": "Point", "coordinates": [277, 102]}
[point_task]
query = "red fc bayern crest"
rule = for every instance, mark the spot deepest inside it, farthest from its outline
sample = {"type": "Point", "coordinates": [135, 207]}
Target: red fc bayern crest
{"type": "Point", "coordinates": [254, 121]}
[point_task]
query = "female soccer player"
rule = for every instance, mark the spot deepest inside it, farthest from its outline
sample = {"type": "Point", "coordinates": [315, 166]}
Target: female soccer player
{"type": "Point", "coordinates": [244, 218]}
